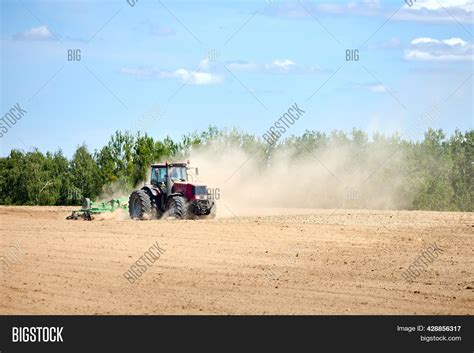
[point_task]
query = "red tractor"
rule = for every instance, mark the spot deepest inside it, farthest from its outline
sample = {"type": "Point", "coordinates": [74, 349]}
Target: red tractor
{"type": "Point", "coordinates": [170, 191]}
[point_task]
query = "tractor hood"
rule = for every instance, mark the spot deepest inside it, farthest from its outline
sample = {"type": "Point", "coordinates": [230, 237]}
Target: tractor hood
{"type": "Point", "coordinates": [191, 191]}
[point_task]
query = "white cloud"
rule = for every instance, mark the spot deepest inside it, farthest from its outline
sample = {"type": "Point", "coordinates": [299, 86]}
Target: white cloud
{"type": "Point", "coordinates": [277, 66]}
{"type": "Point", "coordinates": [372, 87]}
{"type": "Point", "coordinates": [193, 77]}
{"type": "Point", "coordinates": [455, 41]}
{"type": "Point", "coordinates": [184, 75]}
{"type": "Point", "coordinates": [437, 5]}
{"type": "Point", "coordinates": [450, 11]}
{"type": "Point", "coordinates": [423, 40]}
{"type": "Point", "coordinates": [282, 65]}
{"type": "Point", "coordinates": [299, 9]}
{"type": "Point", "coordinates": [377, 88]}
{"type": "Point", "coordinates": [430, 49]}
{"type": "Point", "coordinates": [204, 64]}
{"type": "Point", "coordinates": [461, 11]}
{"type": "Point", "coordinates": [213, 72]}
{"type": "Point", "coordinates": [36, 33]}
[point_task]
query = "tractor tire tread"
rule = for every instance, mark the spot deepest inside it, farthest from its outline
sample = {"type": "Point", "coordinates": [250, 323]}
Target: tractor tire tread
{"type": "Point", "coordinates": [180, 209]}
{"type": "Point", "coordinates": [145, 203]}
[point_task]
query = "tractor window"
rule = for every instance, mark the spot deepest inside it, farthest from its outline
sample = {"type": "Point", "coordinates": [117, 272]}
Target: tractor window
{"type": "Point", "coordinates": [158, 175]}
{"type": "Point", "coordinates": [162, 175]}
{"type": "Point", "coordinates": [154, 176]}
{"type": "Point", "coordinates": [178, 173]}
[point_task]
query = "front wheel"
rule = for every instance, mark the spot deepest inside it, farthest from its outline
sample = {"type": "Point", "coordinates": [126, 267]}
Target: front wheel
{"type": "Point", "coordinates": [178, 208]}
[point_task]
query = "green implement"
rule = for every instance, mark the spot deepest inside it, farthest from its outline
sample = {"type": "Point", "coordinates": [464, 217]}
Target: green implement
{"type": "Point", "coordinates": [89, 209]}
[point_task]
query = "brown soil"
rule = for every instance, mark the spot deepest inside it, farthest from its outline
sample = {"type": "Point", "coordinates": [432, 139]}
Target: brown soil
{"type": "Point", "coordinates": [304, 262]}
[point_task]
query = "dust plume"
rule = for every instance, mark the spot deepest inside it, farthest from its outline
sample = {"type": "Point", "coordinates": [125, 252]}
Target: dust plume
{"type": "Point", "coordinates": [330, 178]}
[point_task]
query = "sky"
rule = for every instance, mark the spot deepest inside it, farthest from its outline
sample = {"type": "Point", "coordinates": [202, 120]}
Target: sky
{"type": "Point", "coordinates": [80, 70]}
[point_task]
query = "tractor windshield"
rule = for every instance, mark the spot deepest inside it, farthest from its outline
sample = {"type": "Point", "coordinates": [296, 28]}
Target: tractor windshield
{"type": "Point", "coordinates": [178, 173]}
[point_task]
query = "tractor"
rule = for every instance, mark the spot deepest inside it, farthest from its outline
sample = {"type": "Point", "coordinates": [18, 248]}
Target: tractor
{"type": "Point", "coordinates": [172, 191]}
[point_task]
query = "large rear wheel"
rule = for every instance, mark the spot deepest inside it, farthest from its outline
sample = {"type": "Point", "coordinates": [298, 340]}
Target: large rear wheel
{"type": "Point", "coordinates": [139, 205]}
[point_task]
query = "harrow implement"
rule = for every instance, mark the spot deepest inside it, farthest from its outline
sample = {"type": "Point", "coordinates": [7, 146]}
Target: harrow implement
{"type": "Point", "coordinates": [89, 209]}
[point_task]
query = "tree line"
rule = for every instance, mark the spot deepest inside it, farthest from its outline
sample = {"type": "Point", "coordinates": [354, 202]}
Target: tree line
{"type": "Point", "coordinates": [439, 169]}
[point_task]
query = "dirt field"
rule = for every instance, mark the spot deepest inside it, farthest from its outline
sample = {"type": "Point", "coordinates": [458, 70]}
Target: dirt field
{"type": "Point", "coordinates": [309, 262]}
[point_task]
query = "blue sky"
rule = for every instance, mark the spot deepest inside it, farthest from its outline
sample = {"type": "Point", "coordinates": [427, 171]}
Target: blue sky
{"type": "Point", "coordinates": [169, 68]}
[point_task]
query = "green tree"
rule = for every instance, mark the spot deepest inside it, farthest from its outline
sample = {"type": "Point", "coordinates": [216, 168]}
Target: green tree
{"type": "Point", "coordinates": [85, 173]}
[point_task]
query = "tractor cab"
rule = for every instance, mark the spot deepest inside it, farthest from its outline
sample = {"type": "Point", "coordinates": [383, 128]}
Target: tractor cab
{"type": "Point", "coordinates": [165, 175]}
{"type": "Point", "coordinates": [159, 173]}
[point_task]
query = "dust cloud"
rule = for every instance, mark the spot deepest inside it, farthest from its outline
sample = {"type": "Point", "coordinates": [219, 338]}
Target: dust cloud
{"type": "Point", "coordinates": [330, 179]}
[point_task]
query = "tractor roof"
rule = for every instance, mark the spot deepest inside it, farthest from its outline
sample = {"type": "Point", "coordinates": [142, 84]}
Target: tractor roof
{"type": "Point", "coordinates": [176, 164]}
